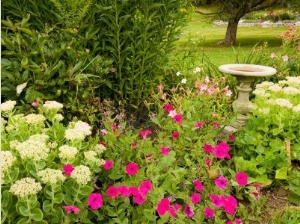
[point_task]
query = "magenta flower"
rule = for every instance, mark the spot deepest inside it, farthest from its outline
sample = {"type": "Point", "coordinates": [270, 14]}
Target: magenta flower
{"type": "Point", "coordinates": [209, 213]}
{"type": "Point", "coordinates": [145, 133]}
{"type": "Point", "coordinates": [208, 148]}
{"type": "Point", "coordinates": [134, 190]}
{"type": "Point", "coordinates": [112, 192]}
{"type": "Point", "coordinates": [168, 107]}
{"type": "Point", "coordinates": [221, 182]}
{"type": "Point", "coordinates": [134, 145]}
{"type": "Point", "coordinates": [195, 198]}
{"type": "Point", "coordinates": [198, 185]}
{"type": "Point", "coordinates": [124, 191]}
{"type": "Point", "coordinates": [145, 187]}
{"type": "Point", "coordinates": [230, 204]}
{"type": "Point", "coordinates": [241, 178]}
{"type": "Point", "coordinates": [236, 221]}
{"type": "Point", "coordinates": [178, 118]}
{"type": "Point", "coordinates": [189, 211]}
{"type": "Point", "coordinates": [132, 169]}
{"type": "Point", "coordinates": [221, 151]}
{"type": "Point", "coordinates": [95, 201]}
{"type": "Point", "coordinates": [175, 134]}
{"type": "Point", "coordinates": [215, 124]}
{"type": "Point", "coordinates": [163, 206]}
{"type": "Point", "coordinates": [174, 209]}
{"type": "Point", "coordinates": [139, 199]}
{"type": "Point", "coordinates": [71, 208]}
{"type": "Point", "coordinates": [108, 164]}
{"type": "Point", "coordinates": [208, 162]}
{"type": "Point", "coordinates": [232, 137]}
{"type": "Point", "coordinates": [68, 169]}
{"type": "Point", "coordinates": [199, 124]}
{"type": "Point", "coordinates": [217, 200]}
{"type": "Point", "coordinates": [164, 150]}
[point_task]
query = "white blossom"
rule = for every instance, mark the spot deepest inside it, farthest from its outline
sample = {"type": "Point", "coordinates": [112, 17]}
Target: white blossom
{"type": "Point", "coordinates": [67, 152]}
{"type": "Point", "coordinates": [291, 90]}
{"type": "Point", "coordinates": [24, 187]}
{"type": "Point", "coordinates": [81, 174]}
{"type": "Point", "coordinates": [52, 105]}
{"type": "Point", "coordinates": [7, 106]}
{"type": "Point", "coordinates": [7, 160]}
{"type": "Point", "coordinates": [33, 149]}
{"type": "Point", "coordinates": [34, 118]}
{"type": "Point", "coordinates": [51, 176]}
{"type": "Point", "coordinates": [283, 103]}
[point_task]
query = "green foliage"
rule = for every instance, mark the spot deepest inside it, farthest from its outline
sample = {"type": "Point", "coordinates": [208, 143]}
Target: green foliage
{"type": "Point", "coordinates": [139, 36]}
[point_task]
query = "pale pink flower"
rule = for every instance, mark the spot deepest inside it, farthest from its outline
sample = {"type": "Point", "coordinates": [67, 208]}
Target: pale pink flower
{"type": "Point", "coordinates": [172, 113]}
{"type": "Point", "coordinates": [273, 55]}
{"type": "Point", "coordinates": [35, 104]}
{"type": "Point", "coordinates": [203, 87]}
{"type": "Point", "coordinates": [211, 90]}
{"type": "Point", "coordinates": [160, 87]}
{"type": "Point", "coordinates": [285, 58]}
{"type": "Point", "coordinates": [298, 47]}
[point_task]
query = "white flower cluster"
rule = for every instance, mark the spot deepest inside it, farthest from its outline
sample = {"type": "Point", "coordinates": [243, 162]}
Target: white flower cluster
{"type": "Point", "coordinates": [58, 117]}
{"type": "Point", "coordinates": [296, 108]}
{"type": "Point", "coordinates": [275, 88]}
{"type": "Point", "coordinates": [39, 137]}
{"type": "Point", "coordinates": [81, 174]}
{"type": "Point", "coordinates": [53, 105]}
{"type": "Point", "coordinates": [33, 149]}
{"type": "Point", "coordinates": [291, 90]}
{"type": "Point", "coordinates": [91, 156]}
{"type": "Point", "coordinates": [67, 152]}
{"type": "Point", "coordinates": [34, 118]}
{"type": "Point", "coordinates": [261, 93]}
{"type": "Point", "coordinates": [78, 130]}
{"type": "Point", "coordinates": [283, 103]}
{"type": "Point", "coordinates": [264, 110]}
{"type": "Point", "coordinates": [7, 106]}
{"type": "Point", "coordinates": [293, 81]}
{"type": "Point", "coordinates": [7, 160]}
{"type": "Point", "coordinates": [99, 148]}
{"type": "Point", "coordinates": [24, 187]}
{"type": "Point", "coordinates": [51, 176]}
{"type": "Point", "coordinates": [264, 85]}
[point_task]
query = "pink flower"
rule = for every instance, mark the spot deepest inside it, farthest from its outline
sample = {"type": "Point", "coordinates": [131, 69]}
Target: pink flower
{"type": "Point", "coordinates": [145, 133]}
{"type": "Point", "coordinates": [230, 204]}
{"type": "Point", "coordinates": [208, 162]}
{"type": "Point", "coordinates": [108, 164]}
{"type": "Point", "coordinates": [198, 185]}
{"type": "Point", "coordinates": [134, 145]}
{"type": "Point", "coordinates": [35, 104]}
{"type": "Point", "coordinates": [221, 151]}
{"type": "Point", "coordinates": [132, 168]}
{"type": "Point", "coordinates": [298, 47]}
{"type": "Point", "coordinates": [145, 187]}
{"type": "Point", "coordinates": [195, 198]}
{"type": "Point", "coordinates": [236, 221]}
{"type": "Point", "coordinates": [71, 208]}
{"type": "Point", "coordinates": [160, 87]}
{"type": "Point", "coordinates": [215, 124]}
{"type": "Point", "coordinates": [178, 118]}
{"type": "Point", "coordinates": [163, 206]}
{"type": "Point", "coordinates": [168, 107]}
{"type": "Point", "coordinates": [134, 190]}
{"type": "Point", "coordinates": [172, 113]}
{"type": "Point", "coordinates": [103, 132]}
{"type": "Point", "coordinates": [208, 148]}
{"type": "Point", "coordinates": [68, 169]}
{"type": "Point", "coordinates": [232, 137]}
{"type": "Point", "coordinates": [174, 209]}
{"type": "Point", "coordinates": [112, 192]}
{"type": "Point", "coordinates": [95, 201]}
{"type": "Point", "coordinates": [189, 211]}
{"type": "Point", "coordinates": [164, 150]}
{"type": "Point", "coordinates": [175, 134]}
{"type": "Point", "coordinates": [221, 182]}
{"type": "Point", "coordinates": [139, 199]}
{"type": "Point", "coordinates": [285, 58]}
{"type": "Point", "coordinates": [216, 200]}
{"type": "Point", "coordinates": [209, 213]}
{"type": "Point", "coordinates": [273, 55]}
{"type": "Point", "coordinates": [199, 124]}
{"type": "Point", "coordinates": [124, 191]}
{"type": "Point", "coordinates": [241, 178]}
{"type": "Point", "coordinates": [211, 90]}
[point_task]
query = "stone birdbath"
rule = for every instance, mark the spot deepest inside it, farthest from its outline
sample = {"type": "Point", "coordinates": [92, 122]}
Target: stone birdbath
{"type": "Point", "coordinates": [245, 75]}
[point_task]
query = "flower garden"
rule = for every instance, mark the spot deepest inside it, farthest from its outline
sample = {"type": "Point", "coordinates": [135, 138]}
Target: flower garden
{"type": "Point", "coordinates": [66, 165]}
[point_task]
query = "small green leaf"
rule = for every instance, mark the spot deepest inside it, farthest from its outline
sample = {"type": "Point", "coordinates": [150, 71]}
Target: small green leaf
{"type": "Point", "coordinates": [36, 214]}
{"type": "Point", "coordinates": [24, 211]}
{"type": "Point", "coordinates": [281, 173]}
{"type": "Point", "coordinates": [47, 206]}
{"type": "Point", "coordinates": [23, 221]}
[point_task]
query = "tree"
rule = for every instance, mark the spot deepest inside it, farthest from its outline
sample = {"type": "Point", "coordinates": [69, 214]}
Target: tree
{"type": "Point", "coordinates": [236, 9]}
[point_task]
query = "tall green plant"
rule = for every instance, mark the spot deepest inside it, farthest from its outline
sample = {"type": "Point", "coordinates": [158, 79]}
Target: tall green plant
{"type": "Point", "coordinates": [138, 35]}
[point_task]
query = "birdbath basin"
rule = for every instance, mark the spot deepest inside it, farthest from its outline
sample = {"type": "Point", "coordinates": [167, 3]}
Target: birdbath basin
{"type": "Point", "coordinates": [245, 75]}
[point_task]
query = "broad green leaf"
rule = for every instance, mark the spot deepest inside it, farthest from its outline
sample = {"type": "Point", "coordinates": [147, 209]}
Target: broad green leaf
{"type": "Point", "coordinates": [36, 214]}
{"type": "Point", "coordinates": [281, 173]}
{"type": "Point", "coordinates": [23, 221]}
{"type": "Point", "coordinates": [24, 211]}
{"type": "Point", "coordinates": [47, 206]}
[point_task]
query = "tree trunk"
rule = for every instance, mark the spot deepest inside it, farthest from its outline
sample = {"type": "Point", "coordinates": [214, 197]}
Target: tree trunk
{"type": "Point", "coordinates": [231, 32]}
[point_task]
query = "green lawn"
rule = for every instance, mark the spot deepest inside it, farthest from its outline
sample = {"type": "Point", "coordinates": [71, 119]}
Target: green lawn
{"type": "Point", "coordinates": [200, 35]}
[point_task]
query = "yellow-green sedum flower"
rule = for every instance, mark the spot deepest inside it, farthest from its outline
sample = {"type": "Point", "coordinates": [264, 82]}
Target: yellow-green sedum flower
{"type": "Point", "coordinates": [67, 152]}
{"type": "Point", "coordinates": [52, 105]}
{"type": "Point", "coordinates": [51, 176]}
{"type": "Point", "coordinates": [34, 118]}
{"type": "Point", "coordinates": [91, 157]}
{"type": "Point", "coordinates": [7, 106]}
{"type": "Point", "coordinates": [24, 187]}
{"type": "Point", "coordinates": [7, 160]}
{"type": "Point", "coordinates": [33, 149]}
{"type": "Point", "coordinates": [81, 174]}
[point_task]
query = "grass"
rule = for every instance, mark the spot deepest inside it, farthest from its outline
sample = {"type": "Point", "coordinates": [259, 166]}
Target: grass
{"type": "Point", "coordinates": [200, 36]}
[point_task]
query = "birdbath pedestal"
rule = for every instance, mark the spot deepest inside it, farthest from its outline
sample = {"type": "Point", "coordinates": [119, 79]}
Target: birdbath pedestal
{"type": "Point", "coordinates": [245, 75]}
